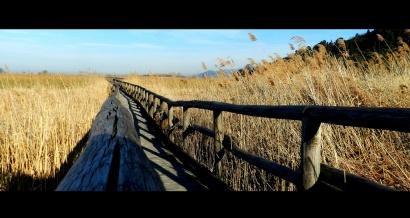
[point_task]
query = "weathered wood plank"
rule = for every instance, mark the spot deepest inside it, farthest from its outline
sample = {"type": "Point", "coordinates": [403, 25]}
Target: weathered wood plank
{"type": "Point", "coordinates": [113, 159]}
{"type": "Point", "coordinates": [310, 152]}
{"type": "Point", "coordinates": [170, 116]}
{"type": "Point", "coordinates": [90, 172]}
{"type": "Point", "coordinates": [186, 118]}
{"type": "Point", "coordinates": [218, 138]}
{"type": "Point", "coordinates": [196, 128]}
{"type": "Point", "coordinates": [396, 119]}
{"type": "Point", "coordinates": [135, 170]}
{"type": "Point", "coordinates": [348, 182]}
{"type": "Point", "coordinates": [267, 165]}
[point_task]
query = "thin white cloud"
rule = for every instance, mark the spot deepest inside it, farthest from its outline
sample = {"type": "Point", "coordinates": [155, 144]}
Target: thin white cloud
{"type": "Point", "coordinates": [117, 45]}
{"type": "Point", "coordinates": [145, 45]}
{"type": "Point", "coordinates": [99, 44]}
{"type": "Point", "coordinates": [199, 36]}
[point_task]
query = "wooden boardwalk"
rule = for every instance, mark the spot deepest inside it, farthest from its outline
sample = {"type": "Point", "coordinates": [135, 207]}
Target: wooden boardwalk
{"type": "Point", "coordinates": [172, 173]}
{"type": "Point", "coordinates": [123, 154]}
{"type": "Point", "coordinates": [129, 146]}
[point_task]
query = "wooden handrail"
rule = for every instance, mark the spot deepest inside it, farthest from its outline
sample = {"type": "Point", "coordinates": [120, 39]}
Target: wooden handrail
{"type": "Point", "coordinates": [396, 119]}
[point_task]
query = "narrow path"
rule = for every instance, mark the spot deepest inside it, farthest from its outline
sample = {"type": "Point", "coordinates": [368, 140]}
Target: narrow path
{"type": "Point", "coordinates": [173, 175]}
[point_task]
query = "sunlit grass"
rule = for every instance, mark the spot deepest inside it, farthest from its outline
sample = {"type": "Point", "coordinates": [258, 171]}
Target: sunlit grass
{"type": "Point", "coordinates": [382, 156]}
{"type": "Point", "coordinates": [42, 118]}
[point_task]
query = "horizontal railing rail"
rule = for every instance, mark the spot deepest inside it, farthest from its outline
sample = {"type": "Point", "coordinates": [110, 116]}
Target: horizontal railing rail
{"type": "Point", "coordinates": [395, 119]}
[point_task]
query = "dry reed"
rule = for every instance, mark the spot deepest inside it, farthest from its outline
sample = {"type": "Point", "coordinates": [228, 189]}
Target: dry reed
{"type": "Point", "coordinates": [42, 118]}
{"type": "Point", "coordinates": [382, 156]}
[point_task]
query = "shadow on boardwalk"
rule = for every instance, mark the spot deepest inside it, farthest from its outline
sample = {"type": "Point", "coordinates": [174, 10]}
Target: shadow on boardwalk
{"type": "Point", "coordinates": [172, 172]}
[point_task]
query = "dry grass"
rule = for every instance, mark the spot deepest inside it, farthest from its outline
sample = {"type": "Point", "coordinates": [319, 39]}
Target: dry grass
{"type": "Point", "coordinates": [382, 156]}
{"type": "Point", "coordinates": [42, 118]}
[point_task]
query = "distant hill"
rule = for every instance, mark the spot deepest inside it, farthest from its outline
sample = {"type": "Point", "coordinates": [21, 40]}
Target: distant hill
{"type": "Point", "coordinates": [363, 47]}
{"type": "Point", "coordinates": [213, 73]}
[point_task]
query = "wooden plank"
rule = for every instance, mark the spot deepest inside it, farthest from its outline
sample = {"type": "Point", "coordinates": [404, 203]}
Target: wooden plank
{"type": "Point", "coordinates": [348, 182]}
{"type": "Point", "coordinates": [163, 118]}
{"type": "Point", "coordinates": [145, 90]}
{"type": "Point", "coordinates": [136, 173]}
{"type": "Point", "coordinates": [267, 165]}
{"type": "Point", "coordinates": [112, 159]}
{"type": "Point", "coordinates": [90, 172]}
{"type": "Point", "coordinates": [173, 175]}
{"type": "Point", "coordinates": [310, 153]}
{"type": "Point", "coordinates": [146, 101]}
{"type": "Point", "coordinates": [199, 170]}
{"type": "Point", "coordinates": [153, 108]}
{"type": "Point", "coordinates": [186, 118]}
{"type": "Point", "coordinates": [150, 104]}
{"type": "Point", "coordinates": [218, 138]}
{"type": "Point", "coordinates": [201, 129]}
{"type": "Point", "coordinates": [397, 119]}
{"type": "Point", "coordinates": [139, 94]}
{"type": "Point", "coordinates": [170, 116]}
{"type": "Point", "coordinates": [185, 124]}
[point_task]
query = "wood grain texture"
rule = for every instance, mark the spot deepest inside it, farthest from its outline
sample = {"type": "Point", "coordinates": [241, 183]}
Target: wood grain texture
{"type": "Point", "coordinates": [218, 138]}
{"type": "Point", "coordinates": [113, 159]}
{"type": "Point", "coordinates": [173, 175]}
{"type": "Point", "coordinates": [310, 152]}
{"type": "Point", "coordinates": [396, 119]}
{"type": "Point", "coordinates": [90, 172]}
{"type": "Point", "coordinates": [135, 170]}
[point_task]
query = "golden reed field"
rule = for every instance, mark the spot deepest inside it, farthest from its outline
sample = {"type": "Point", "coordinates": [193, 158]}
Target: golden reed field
{"type": "Point", "coordinates": [382, 156]}
{"type": "Point", "coordinates": [42, 118]}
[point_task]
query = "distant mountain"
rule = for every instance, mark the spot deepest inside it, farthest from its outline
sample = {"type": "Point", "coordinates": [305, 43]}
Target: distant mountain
{"type": "Point", "coordinates": [213, 73]}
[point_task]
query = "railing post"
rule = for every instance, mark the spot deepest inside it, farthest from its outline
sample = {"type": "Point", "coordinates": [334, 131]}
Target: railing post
{"type": "Point", "coordinates": [186, 118]}
{"type": "Point", "coordinates": [150, 103]}
{"type": "Point", "coordinates": [218, 138]}
{"type": "Point", "coordinates": [142, 98]}
{"type": "Point", "coordinates": [163, 108]}
{"type": "Point", "coordinates": [139, 95]}
{"type": "Point", "coordinates": [170, 123]}
{"type": "Point", "coordinates": [135, 92]}
{"type": "Point", "coordinates": [185, 123]}
{"type": "Point", "coordinates": [146, 100]}
{"type": "Point", "coordinates": [170, 116]}
{"type": "Point", "coordinates": [310, 152]}
{"type": "Point", "coordinates": [153, 108]}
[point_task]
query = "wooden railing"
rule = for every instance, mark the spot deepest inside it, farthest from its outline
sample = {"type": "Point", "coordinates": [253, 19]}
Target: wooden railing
{"type": "Point", "coordinates": [312, 173]}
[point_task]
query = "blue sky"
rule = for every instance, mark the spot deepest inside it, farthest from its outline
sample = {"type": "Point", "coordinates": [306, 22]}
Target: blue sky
{"type": "Point", "coordinates": [144, 51]}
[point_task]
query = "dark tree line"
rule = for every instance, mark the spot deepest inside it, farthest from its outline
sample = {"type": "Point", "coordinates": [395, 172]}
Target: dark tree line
{"type": "Point", "coordinates": [362, 46]}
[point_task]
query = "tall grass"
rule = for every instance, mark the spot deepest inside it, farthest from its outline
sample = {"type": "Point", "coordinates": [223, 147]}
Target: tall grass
{"type": "Point", "coordinates": [42, 118]}
{"type": "Point", "coordinates": [382, 156]}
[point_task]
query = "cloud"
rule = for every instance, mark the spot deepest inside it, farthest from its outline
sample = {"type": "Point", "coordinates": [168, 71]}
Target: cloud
{"type": "Point", "coordinates": [118, 45]}
{"type": "Point", "coordinates": [145, 45]}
